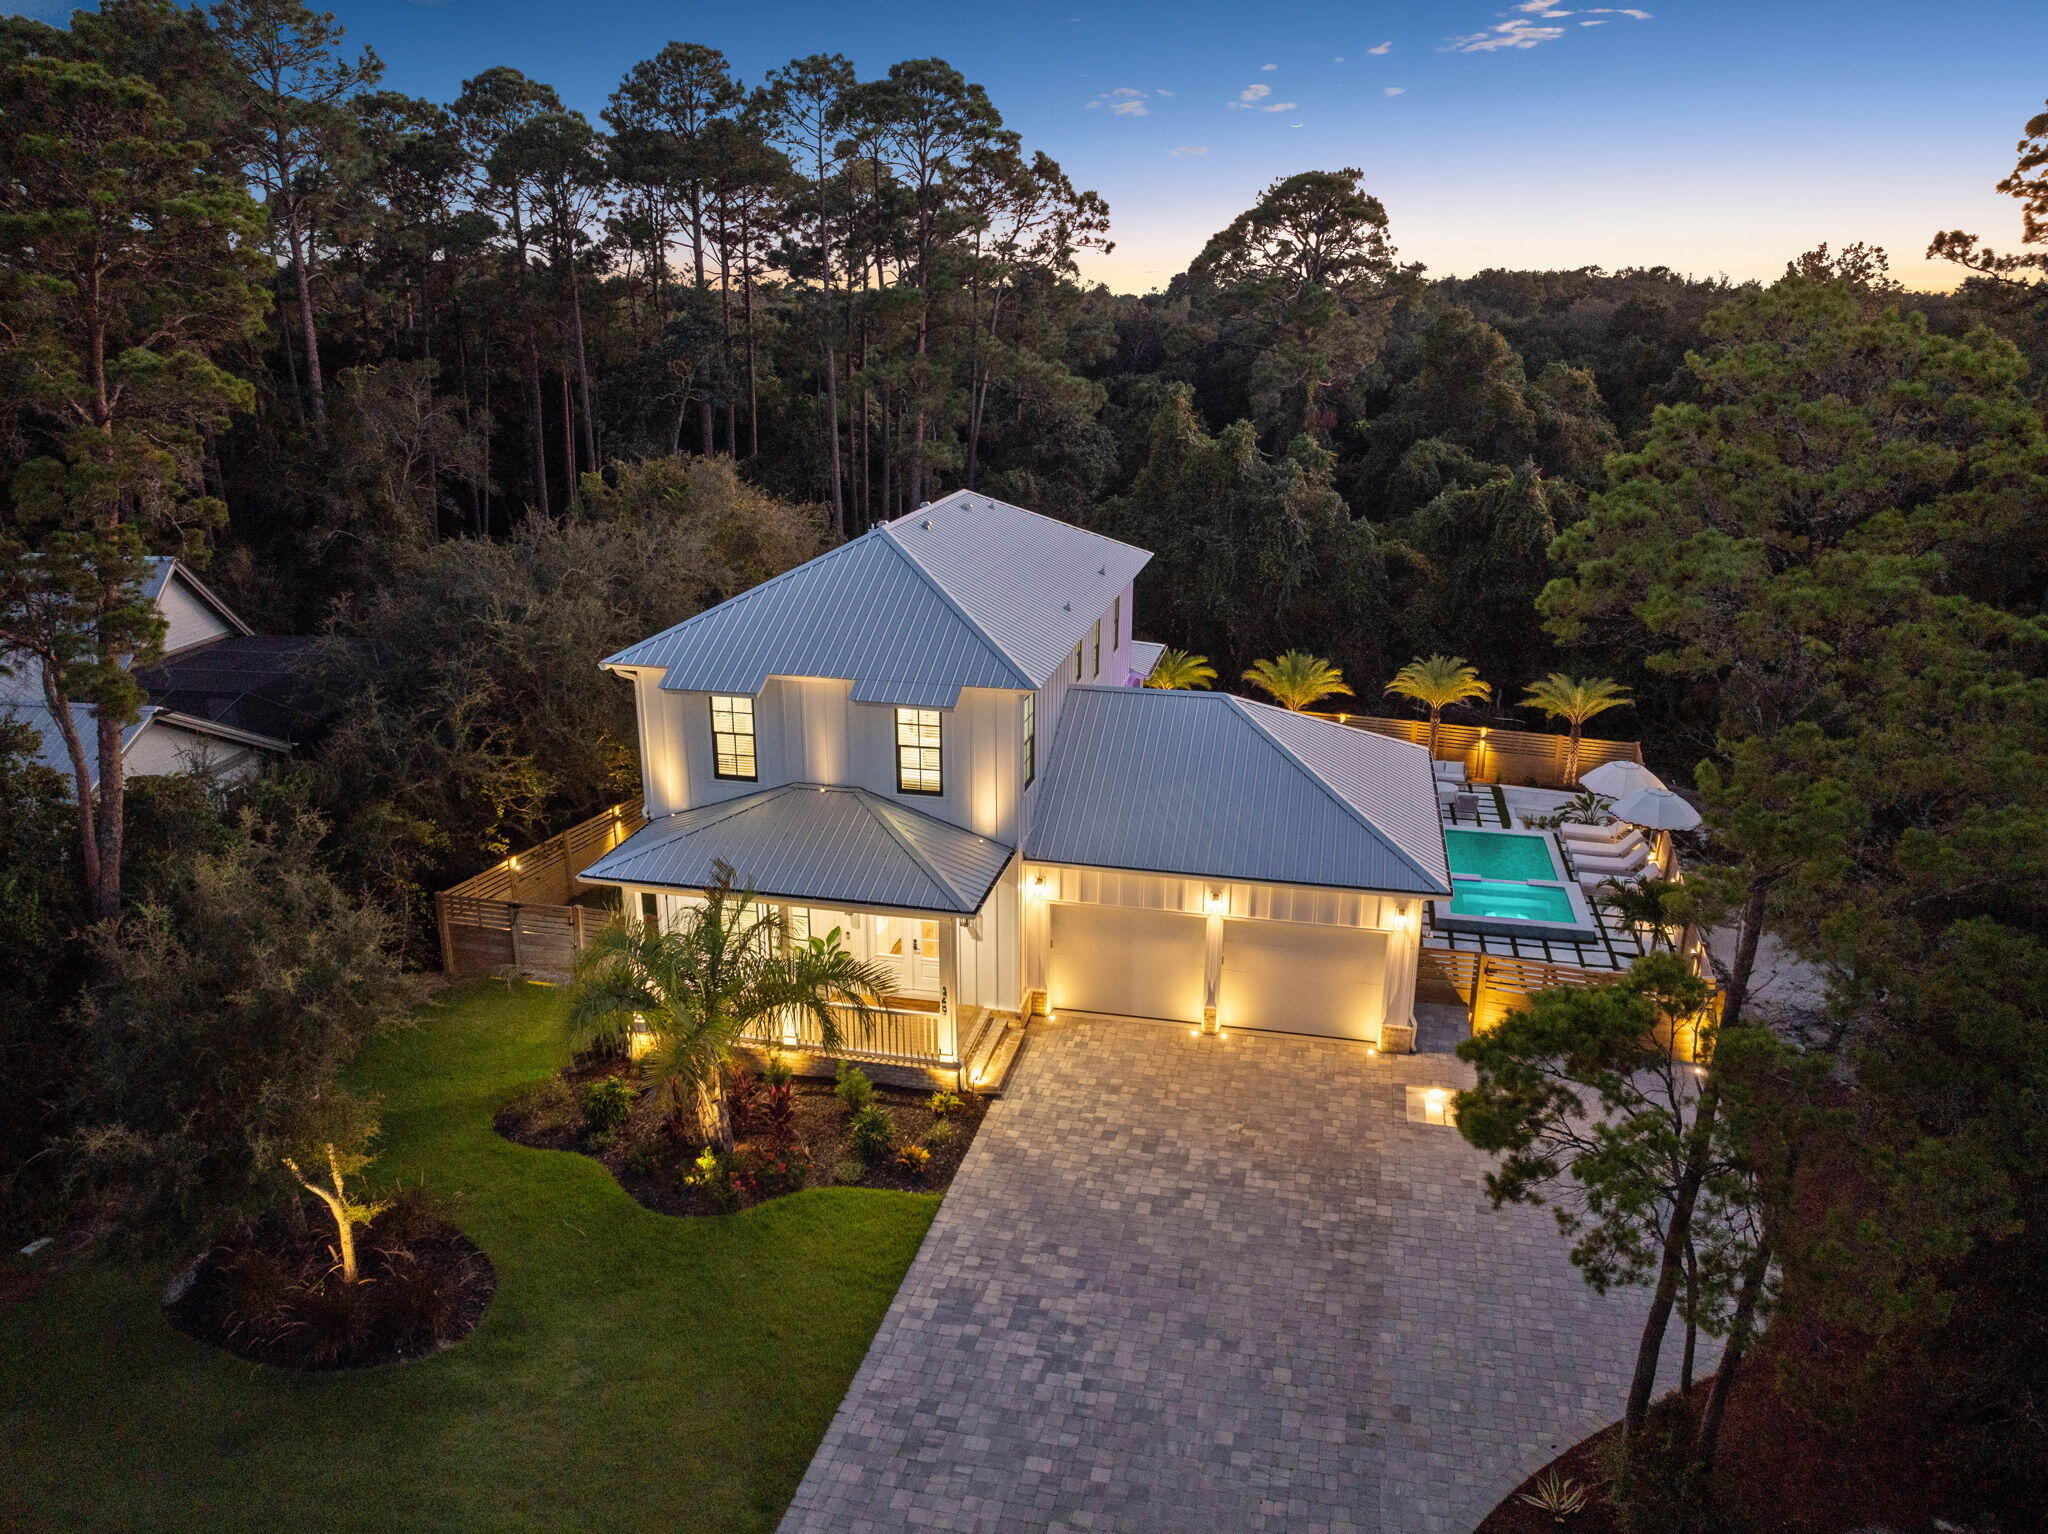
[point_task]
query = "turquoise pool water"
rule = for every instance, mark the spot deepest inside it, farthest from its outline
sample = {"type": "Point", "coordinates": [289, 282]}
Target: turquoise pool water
{"type": "Point", "coordinates": [1522, 902]}
{"type": "Point", "coordinates": [1491, 855]}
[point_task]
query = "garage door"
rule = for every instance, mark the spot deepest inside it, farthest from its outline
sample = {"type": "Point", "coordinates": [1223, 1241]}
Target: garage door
{"type": "Point", "coordinates": [1126, 962]}
{"type": "Point", "coordinates": [1297, 978]}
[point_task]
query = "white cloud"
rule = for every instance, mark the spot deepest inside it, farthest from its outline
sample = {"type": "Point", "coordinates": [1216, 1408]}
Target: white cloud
{"type": "Point", "coordinates": [1250, 95]}
{"type": "Point", "coordinates": [1124, 101]}
{"type": "Point", "coordinates": [1382, 48]}
{"type": "Point", "coordinates": [1163, 93]}
{"type": "Point", "coordinates": [1520, 30]}
{"type": "Point", "coordinates": [1338, 59]}
{"type": "Point", "coordinates": [1394, 90]}
{"type": "Point", "coordinates": [1282, 106]}
{"type": "Point", "coordinates": [1269, 66]}
{"type": "Point", "coordinates": [1189, 149]}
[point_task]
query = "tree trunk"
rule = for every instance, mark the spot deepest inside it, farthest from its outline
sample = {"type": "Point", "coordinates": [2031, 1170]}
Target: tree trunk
{"type": "Point", "coordinates": [537, 424]}
{"type": "Point", "coordinates": [308, 334]}
{"type": "Point", "coordinates": [582, 372]}
{"type": "Point", "coordinates": [1739, 1335]}
{"type": "Point", "coordinates": [1677, 1239]}
{"type": "Point", "coordinates": [568, 444]}
{"type": "Point", "coordinates": [81, 778]}
{"type": "Point", "coordinates": [110, 819]}
{"type": "Point", "coordinates": [836, 496]}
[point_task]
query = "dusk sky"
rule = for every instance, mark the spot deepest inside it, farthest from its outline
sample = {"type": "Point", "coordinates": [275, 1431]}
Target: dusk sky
{"type": "Point", "coordinates": [1708, 137]}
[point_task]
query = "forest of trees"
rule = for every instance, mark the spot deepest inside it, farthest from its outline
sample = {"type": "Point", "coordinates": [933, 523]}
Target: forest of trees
{"type": "Point", "coordinates": [479, 390]}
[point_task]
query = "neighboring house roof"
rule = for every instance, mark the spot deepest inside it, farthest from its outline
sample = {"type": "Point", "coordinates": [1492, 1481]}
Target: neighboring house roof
{"type": "Point", "coordinates": [193, 733]}
{"type": "Point", "coordinates": [1144, 656]}
{"type": "Point", "coordinates": [1215, 786]}
{"type": "Point", "coordinates": [816, 844]}
{"type": "Point", "coordinates": [192, 614]}
{"type": "Point", "coordinates": [965, 592]}
{"type": "Point", "coordinates": [262, 683]}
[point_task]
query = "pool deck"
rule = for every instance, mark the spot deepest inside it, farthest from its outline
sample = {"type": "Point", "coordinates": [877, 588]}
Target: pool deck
{"type": "Point", "coordinates": [1614, 945]}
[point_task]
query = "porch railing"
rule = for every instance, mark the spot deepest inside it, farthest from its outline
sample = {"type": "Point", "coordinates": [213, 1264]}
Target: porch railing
{"type": "Point", "coordinates": [886, 1034]}
{"type": "Point", "coordinates": [1525, 757]}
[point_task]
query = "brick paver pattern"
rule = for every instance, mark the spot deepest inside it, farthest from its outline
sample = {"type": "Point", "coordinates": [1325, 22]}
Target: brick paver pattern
{"type": "Point", "coordinates": [1222, 1285]}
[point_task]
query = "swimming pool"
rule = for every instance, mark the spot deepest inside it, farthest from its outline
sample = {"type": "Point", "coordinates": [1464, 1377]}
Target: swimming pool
{"type": "Point", "coordinates": [1522, 855]}
{"type": "Point", "coordinates": [1511, 882]}
{"type": "Point", "coordinates": [1497, 898]}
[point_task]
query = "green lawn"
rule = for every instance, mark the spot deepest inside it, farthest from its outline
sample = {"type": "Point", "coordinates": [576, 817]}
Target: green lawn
{"type": "Point", "coordinates": [635, 1371]}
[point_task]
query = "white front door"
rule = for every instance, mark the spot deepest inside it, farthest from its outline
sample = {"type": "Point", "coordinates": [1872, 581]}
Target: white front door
{"type": "Point", "coordinates": [910, 948]}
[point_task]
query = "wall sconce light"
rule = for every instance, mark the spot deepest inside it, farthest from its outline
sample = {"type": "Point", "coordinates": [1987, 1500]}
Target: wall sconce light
{"type": "Point", "coordinates": [1216, 903]}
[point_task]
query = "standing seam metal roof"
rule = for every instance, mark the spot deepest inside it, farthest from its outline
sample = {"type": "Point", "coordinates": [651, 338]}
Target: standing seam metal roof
{"type": "Point", "coordinates": [966, 592]}
{"type": "Point", "coordinates": [1215, 786]}
{"type": "Point", "coordinates": [816, 843]}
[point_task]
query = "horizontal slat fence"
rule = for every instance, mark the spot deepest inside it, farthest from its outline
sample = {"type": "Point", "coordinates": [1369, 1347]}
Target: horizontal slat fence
{"type": "Point", "coordinates": [518, 916]}
{"type": "Point", "coordinates": [1493, 985]}
{"type": "Point", "coordinates": [1523, 757]}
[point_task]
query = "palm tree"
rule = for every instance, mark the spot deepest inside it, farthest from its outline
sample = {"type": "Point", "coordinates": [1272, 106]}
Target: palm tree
{"type": "Point", "coordinates": [728, 966]}
{"type": "Point", "coordinates": [1434, 682]}
{"type": "Point", "coordinates": [1297, 679]}
{"type": "Point", "coordinates": [1575, 700]}
{"type": "Point", "coordinates": [1177, 671]}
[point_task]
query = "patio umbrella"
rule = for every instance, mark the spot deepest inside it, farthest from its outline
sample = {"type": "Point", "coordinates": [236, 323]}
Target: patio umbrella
{"type": "Point", "coordinates": [1614, 779]}
{"type": "Point", "coordinates": [1659, 809]}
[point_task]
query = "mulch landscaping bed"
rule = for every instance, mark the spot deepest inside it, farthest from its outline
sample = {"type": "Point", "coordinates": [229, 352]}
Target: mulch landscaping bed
{"type": "Point", "coordinates": [652, 1164]}
{"type": "Point", "coordinates": [276, 1296]}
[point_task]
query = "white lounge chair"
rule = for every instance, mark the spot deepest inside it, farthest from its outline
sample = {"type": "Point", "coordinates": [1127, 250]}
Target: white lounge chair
{"type": "Point", "coordinates": [1628, 844]}
{"type": "Point", "coordinates": [1619, 831]}
{"type": "Point", "coordinates": [1626, 864]}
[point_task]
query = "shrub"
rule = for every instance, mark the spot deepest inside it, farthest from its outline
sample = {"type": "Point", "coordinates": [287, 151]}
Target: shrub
{"type": "Point", "coordinates": [943, 1105]}
{"type": "Point", "coordinates": [776, 1070]}
{"type": "Point", "coordinates": [743, 1100]}
{"type": "Point", "coordinates": [418, 1302]}
{"type": "Point", "coordinates": [778, 1110]}
{"type": "Point", "coordinates": [849, 1173]}
{"type": "Point", "coordinates": [541, 1108]}
{"type": "Point", "coordinates": [330, 1322]}
{"type": "Point", "coordinates": [871, 1134]}
{"type": "Point", "coordinates": [607, 1104]}
{"type": "Point", "coordinates": [854, 1090]}
{"type": "Point", "coordinates": [940, 1132]}
{"type": "Point", "coordinates": [713, 1172]}
{"type": "Point", "coordinates": [411, 1215]}
{"type": "Point", "coordinates": [773, 1171]}
{"type": "Point", "coordinates": [914, 1160]}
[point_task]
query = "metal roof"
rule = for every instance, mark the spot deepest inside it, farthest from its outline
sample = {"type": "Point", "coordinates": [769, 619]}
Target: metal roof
{"type": "Point", "coordinates": [1216, 786]}
{"type": "Point", "coordinates": [965, 592]}
{"type": "Point", "coordinates": [818, 844]}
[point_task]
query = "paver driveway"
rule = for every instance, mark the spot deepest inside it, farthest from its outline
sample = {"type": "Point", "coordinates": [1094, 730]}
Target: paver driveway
{"type": "Point", "coordinates": [1196, 1284]}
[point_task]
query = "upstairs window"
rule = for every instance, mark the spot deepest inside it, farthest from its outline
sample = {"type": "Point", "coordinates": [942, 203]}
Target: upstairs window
{"type": "Point", "coordinates": [732, 738]}
{"type": "Point", "coordinates": [1030, 737]}
{"type": "Point", "coordinates": [1077, 663]}
{"type": "Point", "coordinates": [1116, 623]}
{"type": "Point", "coordinates": [917, 751]}
{"type": "Point", "coordinates": [1098, 647]}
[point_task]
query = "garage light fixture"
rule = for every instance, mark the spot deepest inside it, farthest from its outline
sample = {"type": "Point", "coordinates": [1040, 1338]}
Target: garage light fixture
{"type": "Point", "coordinates": [1217, 902]}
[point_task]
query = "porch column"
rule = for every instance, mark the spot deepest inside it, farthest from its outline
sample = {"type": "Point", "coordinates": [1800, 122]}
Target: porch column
{"type": "Point", "coordinates": [1034, 923]}
{"type": "Point", "coordinates": [1402, 921]}
{"type": "Point", "coordinates": [949, 988]}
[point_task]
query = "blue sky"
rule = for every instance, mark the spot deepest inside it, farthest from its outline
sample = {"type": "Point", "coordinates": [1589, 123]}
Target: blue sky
{"type": "Point", "coordinates": [1709, 137]}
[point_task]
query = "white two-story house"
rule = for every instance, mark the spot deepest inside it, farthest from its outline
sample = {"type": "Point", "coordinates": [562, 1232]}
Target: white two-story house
{"type": "Point", "coordinates": [935, 738]}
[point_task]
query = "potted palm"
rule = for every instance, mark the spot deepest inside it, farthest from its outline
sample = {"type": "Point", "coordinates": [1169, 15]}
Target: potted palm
{"type": "Point", "coordinates": [728, 966]}
{"type": "Point", "coordinates": [1575, 700]}
{"type": "Point", "coordinates": [1297, 679]}
{"type": "Point", "coordinates": [1435, 682]}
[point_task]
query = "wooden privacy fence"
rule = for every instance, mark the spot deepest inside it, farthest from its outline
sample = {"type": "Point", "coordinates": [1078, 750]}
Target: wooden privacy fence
{"type": "Point", "coordinates": [1524, 757]}
{"type": "Point", "coordinates": [520, 914]}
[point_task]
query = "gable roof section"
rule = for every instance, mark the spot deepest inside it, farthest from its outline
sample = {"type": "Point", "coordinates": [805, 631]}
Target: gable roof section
{"type": "Point", "coordinates": [966, 592]}
{"type": "Point", "coordinates": [814, 844]}
{"type": "Point", "coordinates": [1214, 786]}
{"type": "Point", "coordinates": [166, 569]}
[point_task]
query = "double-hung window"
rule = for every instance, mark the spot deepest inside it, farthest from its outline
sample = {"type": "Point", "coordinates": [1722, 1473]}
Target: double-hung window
{"type": "Point", "coordinates": [732, 738]}
{"type": "Point", "coordinates": [917, 751]}
{"type": "Point", "coordinates": [1030, 737]}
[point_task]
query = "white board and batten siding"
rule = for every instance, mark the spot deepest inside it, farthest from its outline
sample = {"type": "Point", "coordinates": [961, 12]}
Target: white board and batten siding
{"type": "Point", "coordinates": [189, 619]}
